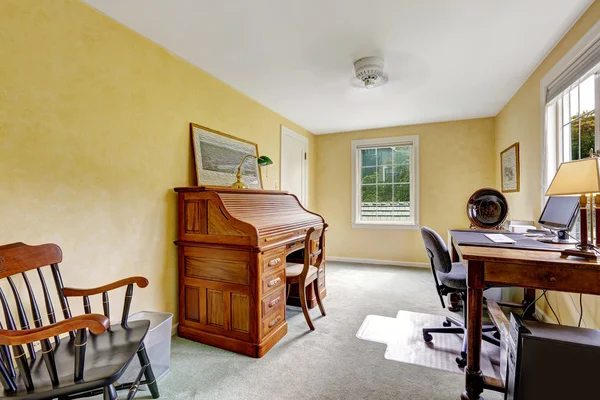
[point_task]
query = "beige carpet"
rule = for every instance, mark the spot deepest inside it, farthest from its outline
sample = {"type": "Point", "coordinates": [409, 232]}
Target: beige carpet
{"type": "Point", "coordinates": [404, 338]}
{"type": "Point", "coordinates": [330, 363]}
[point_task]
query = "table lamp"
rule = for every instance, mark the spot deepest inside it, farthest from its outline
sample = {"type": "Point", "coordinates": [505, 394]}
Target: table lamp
{"type": "Point", "coordinates": [262, 161]}
{"type": "Point", "coordinates": [581, 177]}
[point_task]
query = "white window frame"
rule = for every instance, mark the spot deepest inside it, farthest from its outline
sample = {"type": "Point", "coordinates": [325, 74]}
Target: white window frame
{"type": "Point", "coordinates": [414, 179]}
{"type": "Point", "coordinates": [551, 145]}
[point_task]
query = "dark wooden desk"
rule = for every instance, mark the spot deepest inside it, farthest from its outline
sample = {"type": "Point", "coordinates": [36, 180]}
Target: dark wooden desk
{"type": "Point", "coordinates": [533, 269]}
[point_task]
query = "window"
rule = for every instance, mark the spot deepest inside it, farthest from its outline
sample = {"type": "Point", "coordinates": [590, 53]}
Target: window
{"type": "Point", "coordinates": [571, 94]}
{"type": "Point", "coordinates": [386, 182]}
{"type": "Point", "coordinates": [574, 113]}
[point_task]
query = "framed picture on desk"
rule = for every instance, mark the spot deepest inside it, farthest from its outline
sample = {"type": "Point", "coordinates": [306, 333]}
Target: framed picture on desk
{"type": "Point", "coordinates": [510, 169]}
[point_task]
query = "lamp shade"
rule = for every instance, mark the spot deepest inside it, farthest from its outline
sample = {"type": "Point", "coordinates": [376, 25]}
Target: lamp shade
{"type": "Point", "coordinates": [263, 161]}
{"type": "Point", "coordinates": [576, 177]}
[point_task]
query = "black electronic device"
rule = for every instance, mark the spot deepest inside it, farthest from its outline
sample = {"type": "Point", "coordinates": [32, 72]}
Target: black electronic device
{"type": "Point", "coordinates": [551, 362]}
{"type": "Point", "coordinates": [560, 214]}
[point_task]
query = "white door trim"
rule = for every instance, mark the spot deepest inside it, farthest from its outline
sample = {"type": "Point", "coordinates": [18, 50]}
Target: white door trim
{"type": "Point", "coordinates": [285, 131]}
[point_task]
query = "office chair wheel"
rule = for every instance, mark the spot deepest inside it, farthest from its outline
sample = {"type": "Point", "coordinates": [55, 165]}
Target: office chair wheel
{"type": "Point", "coordinates": [427, 337]}
{"type": "Point", "coordinates": [446, 324]}
{"type": "Point", "coordinates": [461, 362]}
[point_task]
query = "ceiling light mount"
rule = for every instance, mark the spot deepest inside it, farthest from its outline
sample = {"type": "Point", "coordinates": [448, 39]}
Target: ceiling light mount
{"type": "Point", "coordinates": [369, 72]}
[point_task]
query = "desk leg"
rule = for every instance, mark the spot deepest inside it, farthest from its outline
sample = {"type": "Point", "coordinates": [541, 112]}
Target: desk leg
{"type": "Point", "coordinates": [455, 256]}
{"type": "Point", "coordinates": [473, 374]}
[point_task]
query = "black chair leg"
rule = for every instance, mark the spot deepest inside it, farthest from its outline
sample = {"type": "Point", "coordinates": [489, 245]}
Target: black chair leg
{"type": "Point", "coordinates": [110, 393]}
{"type": "Point", "coordinates": [490, 339]}
{"type": "Point", "coordinates": [428, 331]}
{"type": "Point", "coordinates": [462, 360]}
{"type": "Point", "coordinates": [150, 379]}
{"type": "Point", "coordinates": [453, 321]}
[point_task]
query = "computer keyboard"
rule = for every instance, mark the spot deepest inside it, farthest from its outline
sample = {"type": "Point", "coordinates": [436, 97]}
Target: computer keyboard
{"type": "Point", "coordinates": [540, 232]}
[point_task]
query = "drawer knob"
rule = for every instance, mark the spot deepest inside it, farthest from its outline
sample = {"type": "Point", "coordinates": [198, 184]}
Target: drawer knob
{"type": "Point", "coordinates": [274, 302]}
{"type": "Point", "coordinates": [274, 262]}
{"type": "Point", "coordinates": [274, 322]}
{"type": "Point", "coordinates": [274, 282]}
{"type": "Point", "coordinates": [551, 279]}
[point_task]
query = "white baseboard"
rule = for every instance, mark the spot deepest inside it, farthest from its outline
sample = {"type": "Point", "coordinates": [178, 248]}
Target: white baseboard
{"type": "Point", "coordinates": [380, 262]}
{"type": "Point", "coordinates": [174, 329]}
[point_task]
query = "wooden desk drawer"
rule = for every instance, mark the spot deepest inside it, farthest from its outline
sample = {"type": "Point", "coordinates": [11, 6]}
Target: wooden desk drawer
{"type": "Point", "coordinates": [273, 260]}
{"type": "Point", "coordinates": [273, 302]}
{"type": "Point", "coordinates": [552, 278]}
{"type": "Point", "coordinates": [273, 321]}
{"type": "Point", "coordinates": [273, 282]}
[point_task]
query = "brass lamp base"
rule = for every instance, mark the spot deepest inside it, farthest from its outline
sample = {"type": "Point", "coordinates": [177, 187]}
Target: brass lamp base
{"type": "Point", "coordinates": [238, 184]}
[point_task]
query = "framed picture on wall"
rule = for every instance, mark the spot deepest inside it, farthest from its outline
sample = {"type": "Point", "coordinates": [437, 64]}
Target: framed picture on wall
{"type": "Point", "coordinates": [217, 156]}
{"type": "Point", "coordinates": [509, 168]}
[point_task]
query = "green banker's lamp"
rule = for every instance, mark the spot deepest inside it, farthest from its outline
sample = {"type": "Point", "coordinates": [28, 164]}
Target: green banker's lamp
{"type": "Point", "coordinates": [262, 161]}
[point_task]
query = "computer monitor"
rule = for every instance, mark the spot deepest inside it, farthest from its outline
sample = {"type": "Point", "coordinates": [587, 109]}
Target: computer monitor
{"type": "Point", "coordinates": [560, 214]}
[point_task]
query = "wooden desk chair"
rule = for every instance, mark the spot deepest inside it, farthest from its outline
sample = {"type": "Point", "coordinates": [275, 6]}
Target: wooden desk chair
{"type": "Point", "coordinates": [307, 274]}
{"type": "Point", "coordinates": [81, 365]}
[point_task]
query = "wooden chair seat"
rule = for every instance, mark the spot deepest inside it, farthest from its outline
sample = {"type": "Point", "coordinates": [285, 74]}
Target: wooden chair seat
{"type": "Point", "coordinates": [294, 270]}
{"type": "Point", "coordinates": [106, 358]}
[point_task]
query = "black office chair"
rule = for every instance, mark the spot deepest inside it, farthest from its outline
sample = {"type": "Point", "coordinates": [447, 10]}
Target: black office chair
{"type": "Point", "coordinates": [450, 278]}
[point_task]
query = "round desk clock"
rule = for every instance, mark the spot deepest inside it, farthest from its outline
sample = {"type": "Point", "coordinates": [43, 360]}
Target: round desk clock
{"type": "Point", "coordinates": [487, 209]}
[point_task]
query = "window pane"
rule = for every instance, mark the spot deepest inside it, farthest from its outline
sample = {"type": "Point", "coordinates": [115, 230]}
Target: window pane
{"type": "Point", "coordinates": [587, 133]}
{"type": "Point", "coordinates": [384, 174]}
{"type": "Point", "coordinates": [384, 193]}
{"type": "Point", "coordinates": [384, 156]}
{"type": "Point", "coordinates": [575, 141]}
{"type": "Point", "coordinates": [369, 157]}
{"type": "Point", "coordinates": [574, 95]}
{"type": "Point", "coordinates": [566, 135]}
{"type": "Point", "coordinates": [402, 155]}
{"type": "Point", "coordinates": [369, 175]}
{"type": "Point", "coordinates": [402, 174]}
{"type": "Point", "coordinates": [586, 95]}
{"type": "Point", "coordinates": [566, 111]}
{"type": "Point", "coordinates": [402, 193]}
{"type": "Point", "coordinates": [369, 194]}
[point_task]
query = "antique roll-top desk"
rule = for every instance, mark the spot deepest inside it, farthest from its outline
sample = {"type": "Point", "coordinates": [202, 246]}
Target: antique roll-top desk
{"type": "Point", "coordinates": [233, 245]}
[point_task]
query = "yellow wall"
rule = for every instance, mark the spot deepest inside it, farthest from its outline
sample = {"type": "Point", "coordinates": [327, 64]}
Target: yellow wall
{"type": "Point", "coordinates": [519, 121]}
{"type": "Point", "coordinates": [94, 135]}
{"type": "Point", "coordinates": [456, 158]}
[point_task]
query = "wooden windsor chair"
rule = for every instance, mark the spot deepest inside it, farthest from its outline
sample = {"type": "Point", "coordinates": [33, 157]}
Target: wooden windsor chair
{"type": "Point", "coordinates": [80, 365]}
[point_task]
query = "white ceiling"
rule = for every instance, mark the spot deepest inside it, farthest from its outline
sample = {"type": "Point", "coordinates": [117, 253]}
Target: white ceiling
{"type": "Point", "coordinates": [446, 59]}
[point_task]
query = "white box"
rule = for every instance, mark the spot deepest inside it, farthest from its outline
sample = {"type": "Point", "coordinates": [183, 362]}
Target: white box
{"type": "Point", "coordinates": [157, 343]}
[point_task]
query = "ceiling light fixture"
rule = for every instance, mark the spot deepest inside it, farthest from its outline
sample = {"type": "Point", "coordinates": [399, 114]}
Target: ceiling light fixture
{"type": "Point", "coordinates": [369, 72]}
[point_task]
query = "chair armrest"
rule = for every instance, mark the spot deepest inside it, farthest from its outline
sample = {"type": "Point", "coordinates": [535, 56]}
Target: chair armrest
{"type": "Point", "coordinates": [75, 292]}
{"type": "Point", "coordinates": [96, 323]}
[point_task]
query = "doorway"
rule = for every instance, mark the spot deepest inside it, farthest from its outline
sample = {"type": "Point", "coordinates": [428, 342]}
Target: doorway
{"type": "Point", "coordinates": [294, 164]}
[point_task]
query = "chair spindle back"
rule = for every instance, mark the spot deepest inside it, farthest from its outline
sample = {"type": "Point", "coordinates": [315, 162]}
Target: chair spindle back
{"type": "Point", "coordinates": [16, 260]}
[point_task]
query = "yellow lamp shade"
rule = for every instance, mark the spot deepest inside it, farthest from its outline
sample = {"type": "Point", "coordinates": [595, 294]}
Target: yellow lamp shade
{"type": "Point", "coordinates": [576, 177]}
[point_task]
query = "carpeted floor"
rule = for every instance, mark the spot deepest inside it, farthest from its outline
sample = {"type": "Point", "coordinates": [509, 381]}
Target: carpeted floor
{"type": "Point", "coordinates": [329, 363]}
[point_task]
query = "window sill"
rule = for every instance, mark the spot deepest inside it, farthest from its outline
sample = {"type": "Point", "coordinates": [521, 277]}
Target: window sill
{"type": "Point", "coordinates": [368, 225]}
